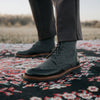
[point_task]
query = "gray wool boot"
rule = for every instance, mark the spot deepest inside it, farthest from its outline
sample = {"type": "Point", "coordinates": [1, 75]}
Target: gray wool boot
{"type": "Point", "coordinates": [60, 62]}
{"type": "Point", "coordinates": [40, 48]}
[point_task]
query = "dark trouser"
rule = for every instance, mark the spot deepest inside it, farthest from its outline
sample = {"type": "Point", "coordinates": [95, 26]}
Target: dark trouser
{"type": "Point", "coordinates": [67, 22]}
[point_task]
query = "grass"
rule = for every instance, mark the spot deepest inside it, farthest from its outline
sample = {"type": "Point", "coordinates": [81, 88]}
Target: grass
{"type": "Point", "coordinates": [91, 33]}
{"type": "Point", "coordinates": [28, 34]}
{"type": "Point", "coordinates": [18, 34]}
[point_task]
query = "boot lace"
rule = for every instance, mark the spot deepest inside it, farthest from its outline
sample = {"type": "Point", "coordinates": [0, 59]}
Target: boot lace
{"type": "Point", "coordinates": [56, 51]}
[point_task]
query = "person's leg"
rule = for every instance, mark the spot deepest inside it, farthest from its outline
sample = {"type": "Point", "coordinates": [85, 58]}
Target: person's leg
{"type": "Point", "coordinates": [64, 58]}
{"type": "Point", "coordinates": [44, 18]}
{"type": "Point", "coordinates": [68, 20]}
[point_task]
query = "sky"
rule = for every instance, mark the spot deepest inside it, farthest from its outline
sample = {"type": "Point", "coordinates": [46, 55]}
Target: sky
{"type": "Point", "coordinates": [89, 9]}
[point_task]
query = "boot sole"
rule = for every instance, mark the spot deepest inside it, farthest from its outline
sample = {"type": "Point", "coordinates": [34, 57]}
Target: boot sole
{"type": "Point", "coordinates": [32, 56]}
{"type": "Point", "coordinates": [46, 78]}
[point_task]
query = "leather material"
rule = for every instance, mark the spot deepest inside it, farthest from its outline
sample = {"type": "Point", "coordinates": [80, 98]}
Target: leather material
{"type": "Point", "coordinates": [39, 47]}
{"type": "Point", "coordinates": [59, 61]}
{"type": "Point", "coordinates": [40, 72]}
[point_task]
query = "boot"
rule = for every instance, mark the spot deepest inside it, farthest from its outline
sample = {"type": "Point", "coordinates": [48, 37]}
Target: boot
{"type": "Point", "coordinates": [60, 62]}
{"type": "Point", "coordinates": [39, 49]}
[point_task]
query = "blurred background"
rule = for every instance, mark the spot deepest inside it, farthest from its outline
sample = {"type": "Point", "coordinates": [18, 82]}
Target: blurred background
{"type": "Point", "coordinates": [17, 24]}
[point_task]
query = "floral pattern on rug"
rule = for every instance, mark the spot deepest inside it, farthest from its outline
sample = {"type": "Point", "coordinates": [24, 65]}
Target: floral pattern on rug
{"type": "Point", "coordinates": [83, 85]}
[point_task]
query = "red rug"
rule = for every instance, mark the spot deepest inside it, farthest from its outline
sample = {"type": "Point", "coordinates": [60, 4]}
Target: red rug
{"type": "Point", "coordinates": [83, 85]}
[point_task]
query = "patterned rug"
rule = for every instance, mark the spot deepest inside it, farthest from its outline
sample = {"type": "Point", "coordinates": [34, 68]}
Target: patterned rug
{"type": "Point", "coordinates": [83, 85]}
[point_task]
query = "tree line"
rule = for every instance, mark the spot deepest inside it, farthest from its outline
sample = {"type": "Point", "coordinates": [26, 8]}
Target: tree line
{"type": "Point", "coordinates": [23, 20]}
{"type": "Point", "coordinates": [18, 20]}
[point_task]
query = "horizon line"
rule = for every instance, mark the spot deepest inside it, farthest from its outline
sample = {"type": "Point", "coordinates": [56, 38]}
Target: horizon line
{"type": "Point", "coordinates": [86, 20]}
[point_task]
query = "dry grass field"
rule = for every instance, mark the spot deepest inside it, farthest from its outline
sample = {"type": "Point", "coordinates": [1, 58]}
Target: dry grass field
{"type": "Point", "coordinates": [28, 34]}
